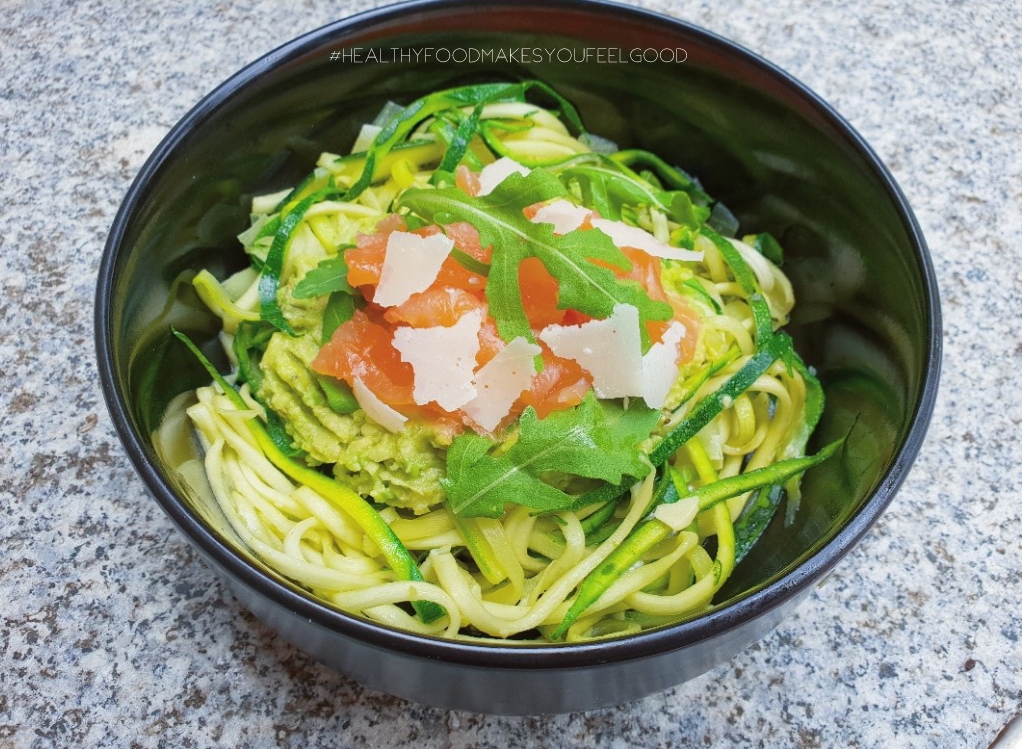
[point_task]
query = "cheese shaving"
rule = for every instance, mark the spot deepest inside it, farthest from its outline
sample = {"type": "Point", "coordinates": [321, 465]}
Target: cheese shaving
{"type": "Point", "coordinates": [443, 360]}
{"type": "Point", "coordinates": [610, 350]}
{"type": "Point", "coordinates": [563, 214]}
{"type": "Point", "coordinates": [660, 366]}
{"type": "Point", "coordinates": [679, 515]}
{"type": "Point", "coordinates": [496, 172]}
{"type": "Point", "coordinates": [376, 409]}
{"type": "Point", "coordinates": [410, 265]}
{"type": "Point", "coordinates": [501, 381]}
{"type": "Point", "coordinates": [624, 235]}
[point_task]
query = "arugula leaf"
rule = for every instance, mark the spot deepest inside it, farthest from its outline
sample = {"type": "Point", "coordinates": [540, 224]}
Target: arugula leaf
{"type": "Point", "coordinates": [479, 485]}
{"type": "Point", "coordinates": [582, 441]}
{"type": "Point", "coordinates": [340, 307]}
{"type": "Point", "coordinates": [596, 439]}
{"type": "Point", "coordinates": [329, 276]}
{"type": "Point", "coordinates": [671, 175]}
{"type": "Point", "coordinates": [583, 286]}
{"type": "Point", "coordinates": [630, 424]}
{"type": "Point", "coordinates": [684, 211]}
{"type": "Point", "coordinates": [607, 186]}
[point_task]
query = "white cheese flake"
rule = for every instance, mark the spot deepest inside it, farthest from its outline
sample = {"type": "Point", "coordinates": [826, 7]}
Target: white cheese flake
{"type": "Point", "coordinates": [563, 214]}
{"type": "Point", "coordinates": [496, 172]}
{"type": "Point", "coordinates": [610, 350]}
{"type": "Point", "coordinates": [443, 360]}
{"type": "Point", "coordinates": [660, 366]}
{"type": "Point", "coordinates": [501, 381]}
{"type": "Point", "coordinates": [679, 515]}
{"type": "Point", "coordinates": [376, 409]}
{"type": "Point", "coordinates": [410, 265]}
{"type": "Point", "coordinates": [624, 235]}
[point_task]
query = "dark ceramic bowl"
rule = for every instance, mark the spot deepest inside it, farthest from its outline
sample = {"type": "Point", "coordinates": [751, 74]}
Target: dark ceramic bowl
{"type": "Point", "coordinates": [867, 318]}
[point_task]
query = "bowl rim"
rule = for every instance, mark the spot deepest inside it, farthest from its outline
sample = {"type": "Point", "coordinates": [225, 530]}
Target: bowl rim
{"type": "Point", "coordinates": [678, 636]}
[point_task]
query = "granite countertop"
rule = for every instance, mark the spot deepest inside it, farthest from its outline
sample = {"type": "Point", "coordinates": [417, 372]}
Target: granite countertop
{"type": "Point", "coordinates": [115, 633]}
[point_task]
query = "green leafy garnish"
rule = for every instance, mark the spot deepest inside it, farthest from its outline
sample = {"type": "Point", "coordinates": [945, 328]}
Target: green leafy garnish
{"type": "Point", "coordinates": [340, 307]}
{"type": "Point", "coordinates": [329, 276]}
{"type": "Point", "coordinates": [595, 439]}
{"type": "Point", "coordinates": [583, 285]}
{"type": "Point", "coordinates": [607, 186]}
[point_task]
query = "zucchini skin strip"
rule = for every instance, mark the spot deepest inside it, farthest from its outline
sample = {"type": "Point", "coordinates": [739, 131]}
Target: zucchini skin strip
{"type": "Point", "coordinates": [753, 521]}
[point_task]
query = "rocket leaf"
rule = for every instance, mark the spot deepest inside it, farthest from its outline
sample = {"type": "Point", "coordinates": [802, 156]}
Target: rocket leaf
{"type": "Point", "coordinates": [479, 484]}
{"type": "Point", "coordinates": [607, 186]}
{"type": "Point", "coordinates": [595, 439]}
{"type": "Point", "coordinates": [330, 275]}
{"type": "Point", "coordinates": [583, 285]}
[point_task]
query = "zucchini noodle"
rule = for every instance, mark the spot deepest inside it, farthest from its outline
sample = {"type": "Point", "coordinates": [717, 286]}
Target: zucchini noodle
{"type": "Point", "coordinates": [522, 574]}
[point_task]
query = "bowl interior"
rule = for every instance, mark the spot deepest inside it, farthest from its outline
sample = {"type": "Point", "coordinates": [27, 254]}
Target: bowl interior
{"type": "Point", "coordinates": [866, 316]}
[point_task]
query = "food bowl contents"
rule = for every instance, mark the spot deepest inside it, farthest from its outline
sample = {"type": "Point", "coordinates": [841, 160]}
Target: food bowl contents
{"type": "Point", "coordinates": [492, 377]}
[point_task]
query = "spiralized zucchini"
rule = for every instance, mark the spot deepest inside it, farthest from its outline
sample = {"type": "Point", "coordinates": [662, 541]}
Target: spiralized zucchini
{"type": "Point", "coordinates": [620, 559]}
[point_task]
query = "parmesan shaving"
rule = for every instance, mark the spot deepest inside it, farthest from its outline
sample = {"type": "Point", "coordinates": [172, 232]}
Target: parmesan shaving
{"type": "Point", "coordinates": [376, 409]}
{"type": "Point", "coordinates": [501, 381]}
{"type": "Point", "coordinates": [410, 265]}
{"type": "Point", "coordinates": [623, 235]}
{"type": "Point", "coordinates": [679, 515]}
{"type": "Point", "coordinates": [494, 173]}
{"type": "Point", "coordinates": [660, 366]}
{"type": "Point", "coordinates": [563, 214]}
{"type": "Point", "coordinates": [443, 360]}
{"type": "Point", "coordinates": [610, 350]}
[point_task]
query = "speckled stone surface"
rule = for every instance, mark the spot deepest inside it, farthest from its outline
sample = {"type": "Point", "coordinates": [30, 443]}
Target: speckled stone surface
{"type": "Point", "coordinates": [114, 633]}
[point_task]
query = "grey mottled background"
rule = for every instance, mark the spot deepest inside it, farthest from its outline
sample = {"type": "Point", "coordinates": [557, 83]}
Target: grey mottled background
{"type": "Point", "coordinates": [113, 633]}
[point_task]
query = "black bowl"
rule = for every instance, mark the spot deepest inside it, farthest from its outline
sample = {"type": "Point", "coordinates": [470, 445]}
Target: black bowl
{"type": "Point", "coordinates": [867, 318]}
